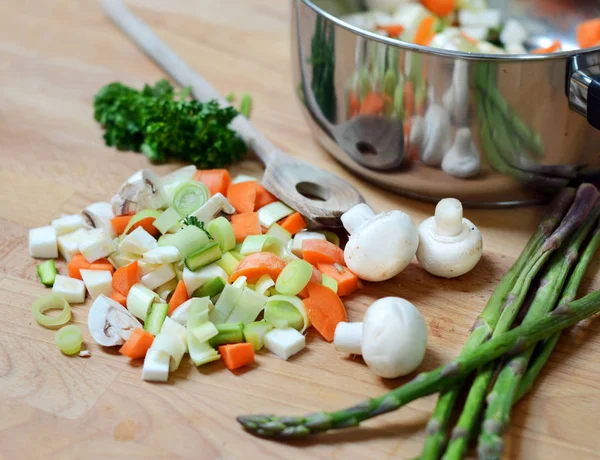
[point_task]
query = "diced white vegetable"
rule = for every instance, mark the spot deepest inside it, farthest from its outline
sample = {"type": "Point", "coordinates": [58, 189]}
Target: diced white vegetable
{"type": "Point", "coordinates": [476, 33]}
{"type": "Point", "coordinates": [96, 245]}
{"type": "Point", "coordinates": [162, 255]}
{"type": "Point", "coordinates": [99, 215]}
{"type": "Point", "coordinates": [72, 289]}
{"type": "Point", "coordinates": [515, 48]}
{"type": "Point", "coordinates": [144, 267]}
{"type": "Point", "coordinates": [156, 366]}
{"type": "Point", "coordinates": [366, 21]}
{"type": "Point", "coordinates": [180, 314]}
{"type": "Point", "coordinates": [489, 18]}
{"type": "Point", "coordinates": [172, 327]}
{"type": "Point", "coordinates": [193, 280]}
{"type": "Point", "coordinates": [158, 277]}
{"type": "Point", "coordinates": [173, 345]}
{"type": "Point", "coordinates": [97, 282]}
{"type": "Point", "coordinates": [296, 243]}
{"type": "Point", "coordinates": [138, 242]}
{"type": "Point", "coordinates": [166, 289]}
{"type": "Point", "coordinates": [284, 342]}
{"type": "Point", "coordinates": [513, 33]}
{"type": "Point", "coordinates": [68, 244]}
{"type": "Point", "coordinates": [273, 212]}
{"type": "Point", "coordinates": [243, 178]}
{"type": "Point", "coordinates": [488, 48]}
{"type": "Point", "coordinates": [67, 224]}
{"type": "Point", "coordinates": [42, 242]}
{"type": "Point", "coordinates": [213, 207]}
{"type": "Point", "coordinates": [119, 259]}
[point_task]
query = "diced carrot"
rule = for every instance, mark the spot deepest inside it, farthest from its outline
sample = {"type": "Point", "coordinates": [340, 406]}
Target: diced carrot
{"type": "Point", "coordinates": [148, 225]}
{"type": "Point", "coordinates": [78, 262]}
{"type": "Point", "coordinates": [440, 7]}
{"type": "Point", "coordinates": [118, 297]}
{"type": "Point", "coordinates": [263, 197]}
{"type": "Point", "coordinates": [322, 252]}
{"type": "Point", "coordinates": [346, 280]}
{"type": "Point", "coordinates": [315, 278]}
{"type": "Point", "coordinates": [236, 355]}
{"type": "Point", "coordinates": [425, 31]}
{"type": "Point", "coordinates": [217, 180]}
{"type": "Point", "coordinates": [554, 47]}
{"type": "Point", "coordinates": [119, 223]}
{"type": "Point", "coordinates": [293, 223]}
{"type": "Point", "coordinates": [244, 225]}
{"type": "Point", "coordinates": [242, 196]}
{"type": "Point", "coordinates": [372, 104]}
{"type": "Point", "coordinates": [138, 344]}
{"type": "Point", "coordinates": [258, 264]}
{"type": "Point", "coordinates": [392, 30]}
{"type": "Point", "coordinates": [325, 310]}
{"type": "Point", "coordinates": [588, 33]}
{"type": "Point", "coordinates": [125, 277]}
{"type": "Point", "coordinates": [353, 104]}
{"type": "Point", "coordinates": [179, 296]}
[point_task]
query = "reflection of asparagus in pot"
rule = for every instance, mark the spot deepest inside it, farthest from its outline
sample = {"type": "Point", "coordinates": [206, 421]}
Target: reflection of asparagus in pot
{"type": "Point", "coordinates": [323, 67]}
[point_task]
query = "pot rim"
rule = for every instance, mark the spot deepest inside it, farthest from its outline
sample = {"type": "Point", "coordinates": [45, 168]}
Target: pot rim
{"type": "Point", "coordinates": [447, 53]}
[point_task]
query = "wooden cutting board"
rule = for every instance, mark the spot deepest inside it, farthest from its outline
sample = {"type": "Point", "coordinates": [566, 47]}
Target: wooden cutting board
{"type": "Point", "coordinates": [53, 57]}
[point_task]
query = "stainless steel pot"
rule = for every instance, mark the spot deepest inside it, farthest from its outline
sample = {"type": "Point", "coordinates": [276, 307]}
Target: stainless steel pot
{"type": "Point", "coordinates": [524, 113]}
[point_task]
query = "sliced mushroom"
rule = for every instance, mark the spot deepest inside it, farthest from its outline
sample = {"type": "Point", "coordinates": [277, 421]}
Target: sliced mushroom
{"type": "Point", "coordinates": [110, 324]}
{"type": "Point", "coordinates": [98, 215]}
{"type": "Point", "coordinates": [143, 190]}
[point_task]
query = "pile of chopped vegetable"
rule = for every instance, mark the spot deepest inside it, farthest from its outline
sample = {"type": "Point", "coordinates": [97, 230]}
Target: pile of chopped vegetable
{"type": "Point", "coordinates": [459, 25]}
{"type": "Point", "coordinates": [192, 262]}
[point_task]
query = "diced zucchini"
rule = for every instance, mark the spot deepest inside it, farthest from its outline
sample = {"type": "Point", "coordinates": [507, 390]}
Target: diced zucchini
{"type": "Point", "coordinates": [47, 273]}
{"type": "Point", "coordinates": [156, 318]}
{"type": "Point", "coordinates": [193, 280]}
{"type": "Point", "coordinates": [205, 256]}
{"type": "Point", "coordinates": [210, 289]}
{"type": "Point", "coordinates": [228, 333]}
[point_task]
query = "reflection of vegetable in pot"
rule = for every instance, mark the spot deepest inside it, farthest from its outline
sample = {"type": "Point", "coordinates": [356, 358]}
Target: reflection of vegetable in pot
{"type": "Point", "coordinates": [437, 139]}
{"type": "Point", "coordinates": [380, 246]}
{"type": "Point", "coordinates": [449, 245]}
{"type": "Point", "coordinates": [463, 159]}
{"type": "Point", "coordinates": [392, 337]}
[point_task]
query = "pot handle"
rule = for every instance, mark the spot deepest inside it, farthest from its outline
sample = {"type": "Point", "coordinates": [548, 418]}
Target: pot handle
{"type": "Point", "coordinates": [583, 87]}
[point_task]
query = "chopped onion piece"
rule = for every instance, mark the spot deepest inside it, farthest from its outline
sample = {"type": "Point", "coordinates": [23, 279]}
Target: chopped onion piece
{"type": "Point", "coordinates": [201, 352]}
{"type": "Point", "coordinates": [227, 301]}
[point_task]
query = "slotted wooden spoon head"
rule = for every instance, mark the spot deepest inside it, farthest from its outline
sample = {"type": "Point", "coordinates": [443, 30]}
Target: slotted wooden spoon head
{"type": "Point", "coordinates": [318, 195]}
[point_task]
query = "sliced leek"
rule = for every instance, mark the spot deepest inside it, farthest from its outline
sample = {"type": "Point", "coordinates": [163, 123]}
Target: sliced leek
{"type": "Point", "coordinates": [189, 196]}
{"type": "Point", "coordinates": [277, 231]}
{"type": "Point", "coordinates": [329, 282]}
{"type": "Point", "coordinates": [172, 345]}
{"type": "Point", "coordinates": [139, 300]}
{"type": "Point", "coordinates": [272, 213]}
{"type": "Point", "coordinates": [248, 307]}
{"type": "Point", "coordinates": [228, 262]}
{"type": "Point", "coordinates": [222, 232]}
{"type": "Point", "coordinates": [69, 339]}
{"type": "Point", "coordinates": [201, 352]}
{"type": "Point", "coordinates": [283, 302]}
{"type": "Point", "coordinates": [294, 277]}
{"type": "Point", "coordinates": [263, 284]}
{"type": "Point", "coordinates": [169, 220]}
{"type": "Point", "coordinates": [187, 240]}
{"type": "Point", "coordinates": [51, 302]}
{"type": "Point", "coordinates": [265, 243]}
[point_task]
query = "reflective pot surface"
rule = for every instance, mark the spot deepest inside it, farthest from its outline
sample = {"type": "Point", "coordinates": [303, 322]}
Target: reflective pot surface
{"type": "Point", "coordinates": [489, 130]}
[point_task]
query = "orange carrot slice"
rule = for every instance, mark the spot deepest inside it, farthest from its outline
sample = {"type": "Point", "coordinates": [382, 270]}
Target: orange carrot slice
{"type": "Point", "coordinates": [315, 278]}
{"type": "Point", "coordinates": [588, 33]}
{"type": "Point", "coordinates": [148, 225]}
{"type": "Point", "coordinates": [242, 196]}
{"type": "Point", "coordinates": [258, 264]}
{"type": "Point", "coordinates": [425, 32]}
{"type": "Point", "coordinates": [372, 104]}
{"type": "Point", "coordinates": [322, 252]}
{"type": "Point", "coordinates": [179, 296]}
{"type": "Point", "coordinates": [553, 48]}
{"type": "Point", "coordinates": [118, 297]}
{"type": "Point", "coordinates": [293, 223]}
{"type": "Point", "coordinates": [125, 277]}
{"type": "Point", "coordinates": [217, 180]}
{"type": "Point", "coordinates": [245, 224]}
{"type": "Point", "coordinates": [346, 280]}
{"type": "Point", "coordinates": [78, 263]}
{"type": "Point", "coordinates": [119, 223]}
{"type": "Point", "coordinates": [236, 355]}
{"type": "Point", "coordinates": [263, 197]}
{"type": "Point", "coordinates": [138, 344]}
{"type": "Point", "coordinates": [325, 310]}
{"type": "Point", "coordinates": [392, 30]}
{"type": "Point", "coordinates": [440, 7]}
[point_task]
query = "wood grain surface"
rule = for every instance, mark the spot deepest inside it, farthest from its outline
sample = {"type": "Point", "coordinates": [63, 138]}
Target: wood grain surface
{"type": "Point", "coordinates": [54, 55]}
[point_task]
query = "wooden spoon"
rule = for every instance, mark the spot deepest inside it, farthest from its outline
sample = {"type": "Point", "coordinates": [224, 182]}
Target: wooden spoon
{"type": "Point", "coordinates": [319, 195]}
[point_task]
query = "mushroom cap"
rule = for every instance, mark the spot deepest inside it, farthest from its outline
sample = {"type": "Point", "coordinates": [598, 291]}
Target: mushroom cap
{"type": "Point", "coordinates": [394, 337]}
{"type": "Point", "coordinates": [449, 256]}
{"type": "Point", "coordinates": [110, 323]}
{"type": "Point", "coordinates": [382, 247]}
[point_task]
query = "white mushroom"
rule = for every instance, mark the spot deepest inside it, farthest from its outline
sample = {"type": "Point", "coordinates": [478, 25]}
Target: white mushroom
{"type": "Point", "coordinates": [98, 215]}
{"type": "Point", "coordinates": [449, 245]}
{"type": "Point", "coordinates": [392, 337]}
{"type": "Point", "coordinates": [213, 207]}
{"type": "Point", "coordinates": [143, 190]}
{"type": "Point", "coordinates": [110, 323]}
{"type": "Point", "coordinates": [438, 135]}
{"type": "Point", "coordinates": [380, 246]}
{"type": "Point", "coordinates": [463, 159]}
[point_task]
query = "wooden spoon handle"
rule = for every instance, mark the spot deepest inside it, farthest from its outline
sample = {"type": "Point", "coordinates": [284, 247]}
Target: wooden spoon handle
{"type": "Point", "coordinates": [184, 75]}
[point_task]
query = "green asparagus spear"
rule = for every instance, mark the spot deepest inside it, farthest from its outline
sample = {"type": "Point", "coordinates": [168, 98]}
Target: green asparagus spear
{"type": "Point", "coordinates": [501, 397]}
{"type": "Point", "coordinates": [514, 341]}
{"type": "Point", "coordinates": [585, 200]}
{"type": "Point", "coordinates": [486, 322]}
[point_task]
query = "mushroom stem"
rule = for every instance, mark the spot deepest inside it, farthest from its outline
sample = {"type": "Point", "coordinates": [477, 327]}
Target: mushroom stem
{"type": "Point", "coordinates": [348, 338]}
{"type": "Point", "coordinates": [356, 216]}
{"type": "Point", "coordinates": [449, 217]}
